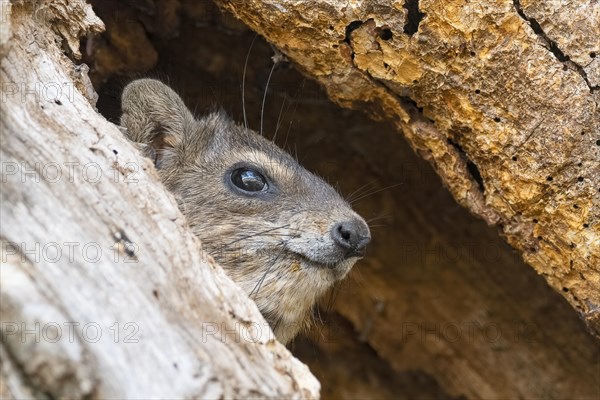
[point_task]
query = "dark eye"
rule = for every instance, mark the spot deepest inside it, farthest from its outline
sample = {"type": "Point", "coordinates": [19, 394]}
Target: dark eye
{"type": "Point", "coordinates": [249, 180]}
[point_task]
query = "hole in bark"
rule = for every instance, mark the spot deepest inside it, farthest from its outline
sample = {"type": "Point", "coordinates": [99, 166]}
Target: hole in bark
{"type": "Point", "coordinates": [593, 54]}
{"type": "Point", "coordinates": [115, 152]}
{"type": "Point", "coordinates": [497, 119]}
{"type": "Point", "coordinates": [579, 164]}
{"type": "Point", "coordinates": [586, 226]}
{"type": "Point", "coordinates": [549, 179]}
{"type": "Point", "coordinates": [414, 103]}
{"type": "Point", "coordinates": [477, 91]}
{"type": "Point", "coordinates": [597, 142]}
{"type": "Point", "coordinates": [514, 158]}
{"type": "Point", "coordinates": [413, 17]}
{"type": "Point", "coordinates": [535, 221]}
{"type": "Point", "coordinates": [580, 179]}
{"type": "Point", "coordinates": [57, 101]}
{"type": "Point", "coordinates": [352, 26]}
{"type": "Point", "coordinates": [575, 206]}
{"type": "Point", "coordinates": [565, 289]}
{"type": "Point", "coordinates": [330, 27]}
{"type": "Point", "coordinates": [476, 174]}
{"type": "Point", "coordinates": [385, 33]}
{"type": "Point", "coordinates": [471, 167]}
{"type": "Point", "coordinates": [155, 293]}
{"type": "Point", "coordinates": [472, 53]}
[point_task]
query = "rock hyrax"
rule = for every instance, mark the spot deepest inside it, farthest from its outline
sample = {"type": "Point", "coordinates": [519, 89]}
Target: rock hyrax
{"type": "Point", "coordinates": [281, 233]}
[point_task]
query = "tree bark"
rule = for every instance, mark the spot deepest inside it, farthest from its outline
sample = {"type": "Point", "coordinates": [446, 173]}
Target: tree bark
{"type": "Point", "coordinates": [501, 96]}
{"type": "Point", "coordinates": [105, 292]}
{"type": "Point", "coordinates": [440, 307]}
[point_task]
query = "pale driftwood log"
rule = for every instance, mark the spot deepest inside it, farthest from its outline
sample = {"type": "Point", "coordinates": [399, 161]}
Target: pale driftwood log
{"type": "Point", "coordinates": [105, 292]}
{"type": "Point", "coordinates": [501, 96]}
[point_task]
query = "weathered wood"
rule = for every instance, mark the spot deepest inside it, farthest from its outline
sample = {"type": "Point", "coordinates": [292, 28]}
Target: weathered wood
{"type": "Point", "coordinates": [440, 307]}
{"type": "Point", "coordinates": [105, 292]}
{"type": "Point", "coordinates": [505, 107]}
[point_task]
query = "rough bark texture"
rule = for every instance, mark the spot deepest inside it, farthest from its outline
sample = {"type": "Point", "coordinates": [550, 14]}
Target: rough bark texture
{"type": "Point", "coordinates": [501, 97]}
{"type": "Point", "coordinates": [105, 293]}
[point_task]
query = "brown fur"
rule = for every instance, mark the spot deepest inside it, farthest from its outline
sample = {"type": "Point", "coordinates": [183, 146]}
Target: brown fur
{"type": "Point", "coordinates": [277, 248]}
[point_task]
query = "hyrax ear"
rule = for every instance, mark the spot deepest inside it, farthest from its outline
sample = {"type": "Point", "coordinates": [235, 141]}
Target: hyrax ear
{"type": "Point", "coordinates": [156, 118]}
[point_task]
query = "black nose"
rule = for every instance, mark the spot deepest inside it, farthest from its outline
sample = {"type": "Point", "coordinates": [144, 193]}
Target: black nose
{"type": "Point", "coordinates": [352, 236]}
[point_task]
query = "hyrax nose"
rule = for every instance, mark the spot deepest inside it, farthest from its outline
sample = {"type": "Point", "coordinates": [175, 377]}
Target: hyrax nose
{"type": "Point", "coordinates": [352, 236]}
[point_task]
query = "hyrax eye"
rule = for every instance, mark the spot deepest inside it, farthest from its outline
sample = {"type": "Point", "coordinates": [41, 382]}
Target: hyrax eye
{"type": "Point", "coordinates": [248, 180]}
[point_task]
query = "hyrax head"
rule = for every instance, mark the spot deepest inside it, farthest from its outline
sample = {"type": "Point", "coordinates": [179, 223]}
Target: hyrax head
{"type": "Point", "coordinates": [281, 233]}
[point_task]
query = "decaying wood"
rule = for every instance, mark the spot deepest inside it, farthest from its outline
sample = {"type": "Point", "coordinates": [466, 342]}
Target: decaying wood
{"type": "Point", "coordinates": [501, 96]}
{"type": "Point", "coordinates": [105, 292]}
{"type": "Point", "coordinates": [440, 307]}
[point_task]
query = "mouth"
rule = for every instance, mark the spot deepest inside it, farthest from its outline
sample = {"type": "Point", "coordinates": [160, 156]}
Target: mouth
{"type": "Point", "coordinates": [305, 260]}
{"type": "Point", "coordinates": [333, 265]}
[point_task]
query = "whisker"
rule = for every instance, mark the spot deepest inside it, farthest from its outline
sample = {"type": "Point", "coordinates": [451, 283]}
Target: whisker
{"type": "Point", "coordinates": [374, 192]}
{"type": "Point", "coordinates": [293, 102]}
{"type": "Point", "coordinates": [377, 226]}
{"type": "Point", "coordinates": [260, 282]}
{"type": "Point", "coordinates": [274, 235]}
{"type": "Point", "coordinates": [359, 191]}
{"type": "Point", "coordinates": [244, 82]}
{"type": "Point", "coordinates": [257, 234]}
{"type": "Point", "coordinates": [377, 218]}
{"type": "Point", "coordinates": [262, 279]}
{"type": "Point", "coordinates": [278, 121]}
{"type": "Point", "coordinates": [297, 101]}
{"type": "Point", "coordinates": [262, 109]}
